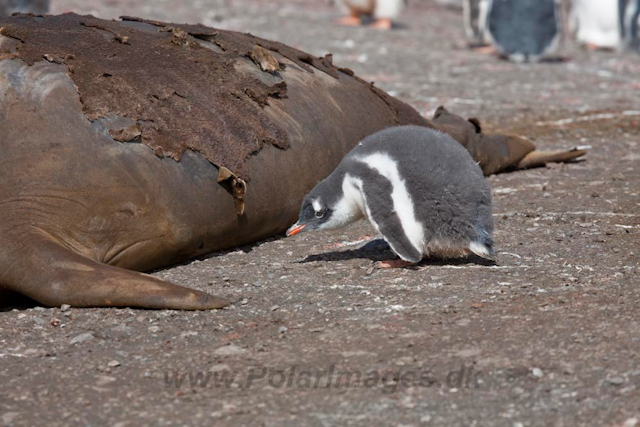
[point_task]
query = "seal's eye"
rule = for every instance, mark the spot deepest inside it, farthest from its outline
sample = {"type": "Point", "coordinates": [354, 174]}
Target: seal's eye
{"type": "Point", "coordinates": [320, 213]}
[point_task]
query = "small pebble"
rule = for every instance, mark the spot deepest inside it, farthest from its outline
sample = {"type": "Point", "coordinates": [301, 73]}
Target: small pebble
{"type": "Point", "coordinates": [537, 373]}
{"type": "Point", "coordinates": [113, 364]}
{"type": "Point", "coordinates": [425, 418]}
{"type": "Point", "coordinates": [282, 329]}
{"type": "Point", "coordinates": [229, 350]}
{"type": "Point", "coordinates": [616, 381]}
{"type": "Point", "coordinates": [64, 307]}
{"type": "Point", "coordinates": [85, 337]}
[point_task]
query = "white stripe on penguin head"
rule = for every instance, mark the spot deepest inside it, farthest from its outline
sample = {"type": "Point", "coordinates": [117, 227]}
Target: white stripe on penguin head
{"type": "Point", "coordinates": [402, 202]}
{"type": "Point", "coordinates": [350, 208]}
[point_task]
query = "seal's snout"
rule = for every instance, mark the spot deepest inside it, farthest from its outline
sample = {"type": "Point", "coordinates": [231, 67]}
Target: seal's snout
{"type": "Point", "coordinates": [295, 229]}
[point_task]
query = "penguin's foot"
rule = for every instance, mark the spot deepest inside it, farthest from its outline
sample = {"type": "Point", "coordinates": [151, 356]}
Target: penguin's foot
{"type": "Point", "coordinates": [350, 21]}
{"type": "Point", "coordinates": [394, 263]}
{"type": "Point", "coordinates": [484, 50]}
{"type": "Point", "coordinates": [382, 24]}
{"type": "Point", "coordinates": [596, 47]}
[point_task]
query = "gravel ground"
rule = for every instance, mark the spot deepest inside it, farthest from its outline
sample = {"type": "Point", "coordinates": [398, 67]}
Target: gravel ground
{"type": "Point", "coordinates": [548, 337]}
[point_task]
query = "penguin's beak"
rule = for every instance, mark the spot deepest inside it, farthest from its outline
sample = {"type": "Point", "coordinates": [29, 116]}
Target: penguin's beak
{"type": "Point", "coordinates": [295, 229]}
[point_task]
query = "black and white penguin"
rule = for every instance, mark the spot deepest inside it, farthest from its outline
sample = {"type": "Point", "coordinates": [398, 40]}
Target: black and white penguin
{"type": "Point", "coordinates": [629, 17]}
{"type": "Point", "coordinates": [419, 188]}
{"type": "Point", "coordinates": [9, 7]}
{"type": "Point", "coordinates": [524, 30]}
{"type": "Point", "coordinates": [598, 23]}
{"type": "Point", "coordinates": [606, 24]}
{"type": "Point", "coordinates": [475, 21]}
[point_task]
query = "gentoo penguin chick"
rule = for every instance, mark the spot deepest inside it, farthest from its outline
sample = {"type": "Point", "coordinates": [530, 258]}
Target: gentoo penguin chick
{"type": "Point", "coordinates": [419, 188]}
{"type": "Point", "coordinates": [383, 12]}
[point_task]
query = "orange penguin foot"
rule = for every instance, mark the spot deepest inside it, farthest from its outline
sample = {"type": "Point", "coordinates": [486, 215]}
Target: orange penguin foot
{"type": "Point", "coordinates": [595, 47]}
{"type": "Point", "coordinates": [382, 24]}
{"type": "Point", "coordinates": [394, 263]}
{"type": "Point", "coordinates": [350, 21]}
{"type": "Point", "coordinates": [485, 50]}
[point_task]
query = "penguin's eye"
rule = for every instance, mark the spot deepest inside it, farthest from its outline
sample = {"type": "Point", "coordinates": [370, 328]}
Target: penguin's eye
{"type": "Point", "coordinates": [320, 213]}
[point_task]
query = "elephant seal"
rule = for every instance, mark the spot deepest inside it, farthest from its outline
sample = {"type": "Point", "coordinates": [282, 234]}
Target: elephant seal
{"type": "Point", "coordinates": [132, 145]}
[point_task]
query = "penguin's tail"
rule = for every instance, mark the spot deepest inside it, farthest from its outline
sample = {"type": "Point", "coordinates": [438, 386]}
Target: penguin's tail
{"type": "Point", "coordinates": [483, 246]}
{"type": "Point", "coordinates": [483, 251]}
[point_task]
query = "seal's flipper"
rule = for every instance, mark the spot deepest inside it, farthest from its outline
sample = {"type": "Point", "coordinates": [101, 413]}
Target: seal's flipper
{"type": "Point", "coordinates": [497, 153]}
{"type": "Point", "coordinates": [52, 275]}
{"type": "Point", "coordinates": [541, 158]}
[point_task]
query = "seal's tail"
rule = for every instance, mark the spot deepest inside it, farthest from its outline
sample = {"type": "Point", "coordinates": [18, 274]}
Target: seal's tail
{"type": "Point", "coordinates": [43, 270]}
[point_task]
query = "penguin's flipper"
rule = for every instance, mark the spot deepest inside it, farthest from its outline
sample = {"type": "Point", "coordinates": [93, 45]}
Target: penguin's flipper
{"type": "Point", "coordinates": [541, 158]}
{"type": "Point", "coordinates": [379, 205]}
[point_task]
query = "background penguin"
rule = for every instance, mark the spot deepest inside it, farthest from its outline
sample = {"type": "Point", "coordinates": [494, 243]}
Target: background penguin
{"type": "Point", "coordinates": [598, 23]}
{"type": "Point", "coordinates": [606, 24]}
{"type": "Point", "coordinates": [418, 187]}
{"type": "Point", "coordinates": [524, 30]}
{"type": "Point", "coordinates": [630, 16]}
{"type": "Point", "coordinates": [383, 12]}
{"type": "Point", "coordinates": [9, 7]}
{"type": "Point", "coordinates": [475, 20]}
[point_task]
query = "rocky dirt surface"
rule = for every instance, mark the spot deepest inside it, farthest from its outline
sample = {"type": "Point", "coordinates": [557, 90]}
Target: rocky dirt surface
{"type": "Point", "coordinates": [550, 336]}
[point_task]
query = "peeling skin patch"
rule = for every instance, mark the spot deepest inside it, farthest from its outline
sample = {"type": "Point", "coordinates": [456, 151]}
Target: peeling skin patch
{"type": "Point", "coordinates": [232, 42]}
{"type": "Point", "coordinates": [127, 134]}
{"type": "Point", "coordinates": [265, 60]}
{"type": "Point", "coordinates": [191, 83]}
{"type": "Point", "coordinates": [279, 90]}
